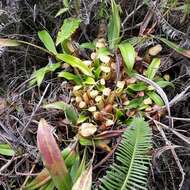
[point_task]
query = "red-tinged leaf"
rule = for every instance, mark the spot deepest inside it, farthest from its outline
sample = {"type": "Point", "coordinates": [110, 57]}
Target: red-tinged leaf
{"type": "Point", "coordinates": [52, 157]}
{"type": "Point", "coordinates": [42, 178]}
{"type": "Point", "coordinates": [84, 182]}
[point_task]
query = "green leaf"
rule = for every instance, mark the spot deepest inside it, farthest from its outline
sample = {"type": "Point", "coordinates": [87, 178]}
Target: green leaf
{"type": "Point", "coordinates": [103, 52]}
{"type": "Point", "coordinates": [49, 186]}
{"type": "Point", "coordinates": [88, 45]}
{"type": "Point", "coordinates": [71, 114]}
{"type": "Point", "coordinates": [140, 86]}
{"type": "Point", "coordinates": [135, 103]}
{"type": "Point", "coordinates": [52, 157]}
{"type": "Point", "coordinates": [153, 68]}
{"type": "Point", "coordinates": [76, 63]}
{"type": "Point", "coordinates": [118, 113]}
{"type": "Point", "coordinates": [130, 168]}
{"type": "Point", "coordinates": [38, 76]}
{"type": "Point", "coordinates": [97, 72]}
{"type": "Point", "coordinates": [82, 118]}
{"type": "Point", "coordinates": [81, 167]}
{"type": "Point", "coordinates": [164, 84]}
{"type": "Point", "coordinates": [182, 51]}
{"type": "Point", "coordinates": [56, 105]}
{"type": "Point", "coordinates": [47, 41]}
{"type": "Point", "coordinates": [67, 29]}
{"type": "Point", "coordinates": [66, 3]}
{"type": "Point", "coordinates": [156, 98]}
{"type": "Point", "coordinates": [85, 142]}
{"type": "Point", "coordinates": [128, 54]}
{"type": "Point", "coordinates": [89, 81]}
{"type": "Point", "coordinates": [84, 182]}
{"type": "Point", "coordinates": [114, 26]}
{"type": "Point", "coordinates": [137, 40]}
{"type": "Point", "coordinates": [70, 76]}
{"type": "Point", "coordinates": [61, 11]}
{"type": "Point", "coordinates": [69, 111]}
{"type": "Point", "coordinates": [6, 150]}
{"type": "Point", "coordinates": [5, 42]}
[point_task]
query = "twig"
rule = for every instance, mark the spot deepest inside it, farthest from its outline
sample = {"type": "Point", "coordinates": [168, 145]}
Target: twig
{"type": "Point", "coordinates": [168, 143]}
{"type": "Point", "coordinates": [179, 97]}
{"type": "Point", "coordinates": [132, 13]}
{"type": "Point", "coordinates": [35, 110]}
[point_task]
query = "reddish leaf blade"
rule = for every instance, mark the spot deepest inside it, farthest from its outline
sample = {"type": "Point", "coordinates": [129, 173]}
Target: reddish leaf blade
{"type": "Point", "coordinates": [52, 158]}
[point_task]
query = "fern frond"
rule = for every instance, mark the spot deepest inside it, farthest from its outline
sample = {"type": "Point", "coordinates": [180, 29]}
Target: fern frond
{"type": "Point", "coordinates": [130, 169]}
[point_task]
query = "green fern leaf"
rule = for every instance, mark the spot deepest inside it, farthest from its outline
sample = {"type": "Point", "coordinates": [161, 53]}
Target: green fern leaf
{"type": "Point", "coordinates": [130, 168]}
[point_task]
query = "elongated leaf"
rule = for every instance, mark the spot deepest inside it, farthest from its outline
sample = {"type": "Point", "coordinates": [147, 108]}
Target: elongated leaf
{"type": "Point", "coordinates": [84, 182]}
{"type": "Point", "coordinates": [182, 51]}
{"type": "Point", "coordinates": [42, 179]}
{"type": "Point", "coordinates": [60, 105]}
{"type": "Point", "coordinates": [114, 26]}
{"type": "Point", "coordinates": [164, 84]}
{"type": "Point", "coordinates": [76, 63]}
{"type": "Point", "coordinates": [153, 68]}
{"type": "Point", "coordinates": [88, 45]}
{"type": "Point", "coordinates": [66, 3]}
{"type": "Point", "coordinates": [6, 150]}
{"type": "Point", "coordinates": [156, 98]}
{"type": "Point", "coordinates": [39, 75]}
{"type": "Point", "coordinates": [70, 76]}
{"type": "Point", "coordinates": [68, 28]}
{"type": "Point", "coordinates": [89, 81]}
{"type": "Point", "coordinates": [52, 157]}
{"type": "Point", "coordinates": [128, 54]}
{"type": "Point", "coordinates": [61, 11]}
{"type": "Point", "coordinates": [81, 168]}
{"type": "Point", "coordinates": [70, 112]}
{"type": "Point", "coordinates": [82, 118]}
{"type": "Point", "coordinates": [135, 103]}
{"type": "Point", "coordinates": [103, 52]}
{"type": "Point", "coordinates": [49, 186]}
{"type": "Point", "coordinates": [140, 86]}
{"type": "Point", "coordinates": [47, 41]}
{"type": "Point", "coordinates": [5, 42]}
